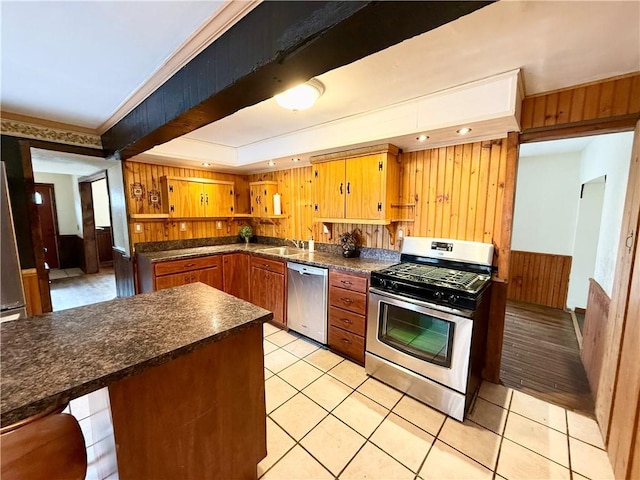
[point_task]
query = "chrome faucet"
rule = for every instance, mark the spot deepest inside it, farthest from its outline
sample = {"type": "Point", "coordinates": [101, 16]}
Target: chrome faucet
{"type": "Point", "coordinates": [296, 243]}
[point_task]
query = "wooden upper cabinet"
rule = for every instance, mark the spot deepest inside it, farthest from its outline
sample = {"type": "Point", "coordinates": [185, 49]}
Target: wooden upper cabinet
{"type": "Point", "coordinates": [197, 197]}
{"type": "Point", "coordinates": [360, 187]}
{"type": "Point", "coordinates": [262, 198]}
{"type": "Point", "coordinates": [329, 189]}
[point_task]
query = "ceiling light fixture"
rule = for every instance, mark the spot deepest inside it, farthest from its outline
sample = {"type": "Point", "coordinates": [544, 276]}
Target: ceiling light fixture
{"type": "Point", "coordinates": [421, 138]}
{"type": "Point", "coordinates": [463, 131]}
{"type": "Point", "coordinates": [205, 164]}
{"type": "Point", "coordinates": [295, 159]}
{"type": "Point", "coordinates": [271, 163]}
{"type": "Point", "coordinates": [301, 97]}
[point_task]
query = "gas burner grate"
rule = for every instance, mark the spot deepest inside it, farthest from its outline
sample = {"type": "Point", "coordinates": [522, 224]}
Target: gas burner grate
{"type": "Point", "coordinates": [430, 274]}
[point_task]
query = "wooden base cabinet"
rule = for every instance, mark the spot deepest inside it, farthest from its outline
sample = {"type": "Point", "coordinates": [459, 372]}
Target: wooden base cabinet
{"type": "Point", "coordinates": [269, 287]}
{"type": "Point", "coordinates": [348, 314]}
{"type": "Point", "coordinates": [157, 276]}
{"type": "Point", "coordinates": [237, 268]}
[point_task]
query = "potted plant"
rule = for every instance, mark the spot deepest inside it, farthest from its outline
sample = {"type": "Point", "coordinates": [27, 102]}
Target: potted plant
{"type": "Point", "coordinates": [350, 241]}
{"type": "Point", "coordinates": [246, 232]}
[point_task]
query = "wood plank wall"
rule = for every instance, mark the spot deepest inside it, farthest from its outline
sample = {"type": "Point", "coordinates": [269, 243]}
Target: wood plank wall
{"type": "Point", "coordinates": [539, 278]}
{"type": "Point", "coordinates": [160, 230]}
{"type": "Point", "coordinates": [457, 192]}
{"type": "Point", "coordinates": [593, 336]}
{"type": "Point", "coordinates": [616, 97]}
{"type": "Point", "coordinates": [32, 292]}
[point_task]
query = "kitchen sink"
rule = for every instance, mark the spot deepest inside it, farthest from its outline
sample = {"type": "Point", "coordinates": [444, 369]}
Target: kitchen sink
{"type": "Point", "coordinates": [284, 251]}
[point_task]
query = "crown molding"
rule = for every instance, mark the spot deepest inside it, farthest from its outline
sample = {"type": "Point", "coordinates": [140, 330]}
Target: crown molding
{"type": "Point", "coordinates": [22, 129]}
{"type": "Point", "coordinates": [217, 24]}
{"type": "Point", "coordinates": [42, 122]}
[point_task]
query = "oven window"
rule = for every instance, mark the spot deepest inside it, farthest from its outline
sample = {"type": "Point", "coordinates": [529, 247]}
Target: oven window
{"type": "Point", "coordinates": [418, 334]}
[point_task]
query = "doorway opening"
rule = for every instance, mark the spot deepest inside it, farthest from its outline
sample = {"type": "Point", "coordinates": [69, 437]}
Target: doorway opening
{"type": "Point", "coordinates": [567, 219]}
{"type": "Point", "coordinates": [81, 269]}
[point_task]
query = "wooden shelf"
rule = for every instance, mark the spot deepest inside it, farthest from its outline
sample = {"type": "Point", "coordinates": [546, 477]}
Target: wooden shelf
{"type": "Point", "coordinates": [403, 205]}
{"type": "Point", "coordinates": [382, 221]}
{"type": "Point", "coordinates": [149, 216]}
{"type": "Point", "coordinates": [405, 220]}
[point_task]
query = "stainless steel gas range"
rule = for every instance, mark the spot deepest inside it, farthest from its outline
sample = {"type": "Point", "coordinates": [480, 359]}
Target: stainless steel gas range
{"type": "Point", "coordinates": [427, 321]}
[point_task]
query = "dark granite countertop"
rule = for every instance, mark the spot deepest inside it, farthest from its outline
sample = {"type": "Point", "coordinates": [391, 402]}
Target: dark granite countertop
{"type": "Point", "coordinates": [50, 359]}
{"type": "Point", "coordinates": [318, 259]}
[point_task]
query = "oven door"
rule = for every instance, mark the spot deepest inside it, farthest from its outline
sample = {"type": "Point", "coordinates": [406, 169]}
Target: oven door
{"type": "Point", "coordinates": [415, 335]}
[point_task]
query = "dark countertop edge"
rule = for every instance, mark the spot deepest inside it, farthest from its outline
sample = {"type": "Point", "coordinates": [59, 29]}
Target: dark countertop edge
{"type": "Point", "coordinates": [241, 248]}
{"type": "Point", "coordinates": [37, 406]}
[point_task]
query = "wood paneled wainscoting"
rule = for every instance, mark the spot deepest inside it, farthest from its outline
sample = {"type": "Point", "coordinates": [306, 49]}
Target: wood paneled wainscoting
{"type": "Point", "coordinates": [539, 278]}
{"type": "Point", "coordinates": [31, 291]}
{"type": "Point", "coordinates": [593, 338]}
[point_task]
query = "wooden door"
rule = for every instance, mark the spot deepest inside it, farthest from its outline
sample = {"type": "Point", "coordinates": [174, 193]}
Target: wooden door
{"type": "Point", "coordinates": [46, 204]}
{"type": "Point", "coordinates": [329, 189]}
{"type": "Point", "coordinates": [236, 275]}
{"type": "Point", "coordinates": [211, 276]}
{"type": "Point", "coordinates": [365, 187]}
{"type": "Point", "coordinates": [218, 199]}
{"type": "Point", "coordinates": [194, 205]}
{"type": "Point", "coordinates": [267, 291]}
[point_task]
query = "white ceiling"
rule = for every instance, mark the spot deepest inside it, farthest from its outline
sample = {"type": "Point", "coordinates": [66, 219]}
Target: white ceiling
{"type": "Point", "coordinates": [63, 163]}
{"type": "Point", "coordinates": [90, 67]}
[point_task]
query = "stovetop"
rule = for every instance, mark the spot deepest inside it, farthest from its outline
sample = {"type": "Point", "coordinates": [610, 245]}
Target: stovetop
{"type": "Point", "coordinates": [437, 284]}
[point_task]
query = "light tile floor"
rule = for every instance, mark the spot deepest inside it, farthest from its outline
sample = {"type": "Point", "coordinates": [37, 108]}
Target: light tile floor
{"type": "Point", "coordinates": [327, 419]}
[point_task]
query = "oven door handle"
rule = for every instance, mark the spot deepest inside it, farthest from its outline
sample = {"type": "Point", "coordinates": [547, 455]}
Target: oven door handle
{"type": "Point", "coordinates": [431, 306]}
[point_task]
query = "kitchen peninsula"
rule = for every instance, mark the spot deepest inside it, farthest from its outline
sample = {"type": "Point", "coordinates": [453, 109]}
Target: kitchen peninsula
{"type": "Point", "coordinates": [184, 368]}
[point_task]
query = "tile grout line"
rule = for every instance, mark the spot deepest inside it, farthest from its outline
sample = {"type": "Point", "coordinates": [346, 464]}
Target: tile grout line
{"type": "Point", "coordinates": [566, 418]}
{"type": "Point", "coordinates": [504, 429]}
{"type": "Point", "coordinates": [435, 437]}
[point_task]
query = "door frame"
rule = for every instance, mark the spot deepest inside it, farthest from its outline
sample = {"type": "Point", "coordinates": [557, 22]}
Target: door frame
{"type": "Point", "coordinates": [34, 218]}
{"type": "Point", "coordinates": [54, 209]}
{"type": "Point", "coordinates": [85, 184]}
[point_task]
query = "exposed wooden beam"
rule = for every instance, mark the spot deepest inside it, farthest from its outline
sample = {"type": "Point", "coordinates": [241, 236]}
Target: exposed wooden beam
{"type": "Point", "coordinates": [277, 45]}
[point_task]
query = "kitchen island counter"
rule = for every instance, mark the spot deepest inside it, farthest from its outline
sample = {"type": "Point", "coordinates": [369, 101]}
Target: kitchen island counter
{"type": "Point", "coordinates": [50, 359]}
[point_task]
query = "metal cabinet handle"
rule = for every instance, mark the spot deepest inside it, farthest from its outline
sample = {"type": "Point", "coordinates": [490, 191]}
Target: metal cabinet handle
{"type": "Point", "coordinates": [346, 282]}
{"type": "Point", "coordinates": [340, 189]}
{"type": "Point", "coordinates": [346, 320]}
{"type": "Point", "coordinates": [201, 199]}
{"type": "Point", "coordinates": [187, 265]}
{"type": "Point", "coordinates": [348, 187]}
{"type": "Point", "coordinates": [345, 340]}
{"type": "Point", "coordinates": [346, 300]}
{"type": "Point", "coordinates": [207, 197]}
{"type": "Point", "coordinates": [265, 265]}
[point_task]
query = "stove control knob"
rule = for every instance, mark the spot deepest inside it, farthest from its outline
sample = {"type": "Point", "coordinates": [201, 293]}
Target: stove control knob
{"type": "Point", "coordinates": [393, 285]}
{"type": "Point", "coordinates": [438, 295]}
{"type": "Point", "coordinates": [453, 298]}
{"type": "Point", "coordinates": [382, 282]}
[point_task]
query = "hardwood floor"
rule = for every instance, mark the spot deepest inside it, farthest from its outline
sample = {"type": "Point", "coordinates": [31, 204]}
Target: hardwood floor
{"type": "Point", "coordinates": [76, 291]}
{"type": "Point", "coordinates": [541, 357]}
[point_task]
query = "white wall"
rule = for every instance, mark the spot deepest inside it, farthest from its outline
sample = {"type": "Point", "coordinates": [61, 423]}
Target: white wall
{"type": "Point", "coordinates": [608, 155]}
{"type": "Point", "coordinates": [100, 196]}
{"type": "Point", "coordinates": [67, 194]}
{"type": "Point", "coordinates": [546, 206]}
{"type": "Point", "coordinates": [586, 244]}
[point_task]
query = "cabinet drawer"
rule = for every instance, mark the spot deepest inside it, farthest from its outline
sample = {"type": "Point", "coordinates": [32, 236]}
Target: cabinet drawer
{"type": "Point", "coordinates": [348, 300]}
{"type": "Point", "coordinates": [346, 320]}
{"type": "Point", "coordinates": [347, 343]}
{"type": "Point", "coordinates": [266, 264]}
{"type": "Point", "coordinates": [348, 281]}
{"type": "Point", "coordinates": [177, 266]}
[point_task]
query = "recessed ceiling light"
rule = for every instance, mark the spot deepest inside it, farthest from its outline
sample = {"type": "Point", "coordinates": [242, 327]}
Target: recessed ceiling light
{"type": "Point", "coordinates": [271, 163]}
{"type": "Point", "coordinates": [421, 138]}
{"type": "Point", "coordinates": [205, 164]}
{"type": "Point", "coordinates": [463, 131]}
{"type": "Point", "coordinates": [295, 159]}
{"type": "Point", "coordinates": [302, 96]}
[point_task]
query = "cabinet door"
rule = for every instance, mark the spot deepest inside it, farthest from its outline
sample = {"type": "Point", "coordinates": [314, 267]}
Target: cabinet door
{"type": "Point", "coordinates": [267, 291]}
{"type": "Point", "coordinates": [180, 198]}
{"type": "Point", "coordinates": [211, 276]}
{"type": "Point", "coordinates": [365, 187]}
{"type": "Point", "coordinates": [175, 280]}
{"type": "Point", "coordinates": [218, 199]}
{"type": "Point", "coordinates": [236, 275]}
{"type": "Point", "coordinates": [196, 194]}
{"type": "Point", "coordinates": [330, 189]}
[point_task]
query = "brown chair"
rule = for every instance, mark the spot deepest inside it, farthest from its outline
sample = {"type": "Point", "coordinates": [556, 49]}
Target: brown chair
{"type": "Point", "coordinates": [47, 446]}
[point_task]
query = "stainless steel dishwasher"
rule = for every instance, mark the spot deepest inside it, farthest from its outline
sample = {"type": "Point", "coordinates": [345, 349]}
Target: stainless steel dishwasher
{"type": "Point", "coordinates": [307, 300]}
